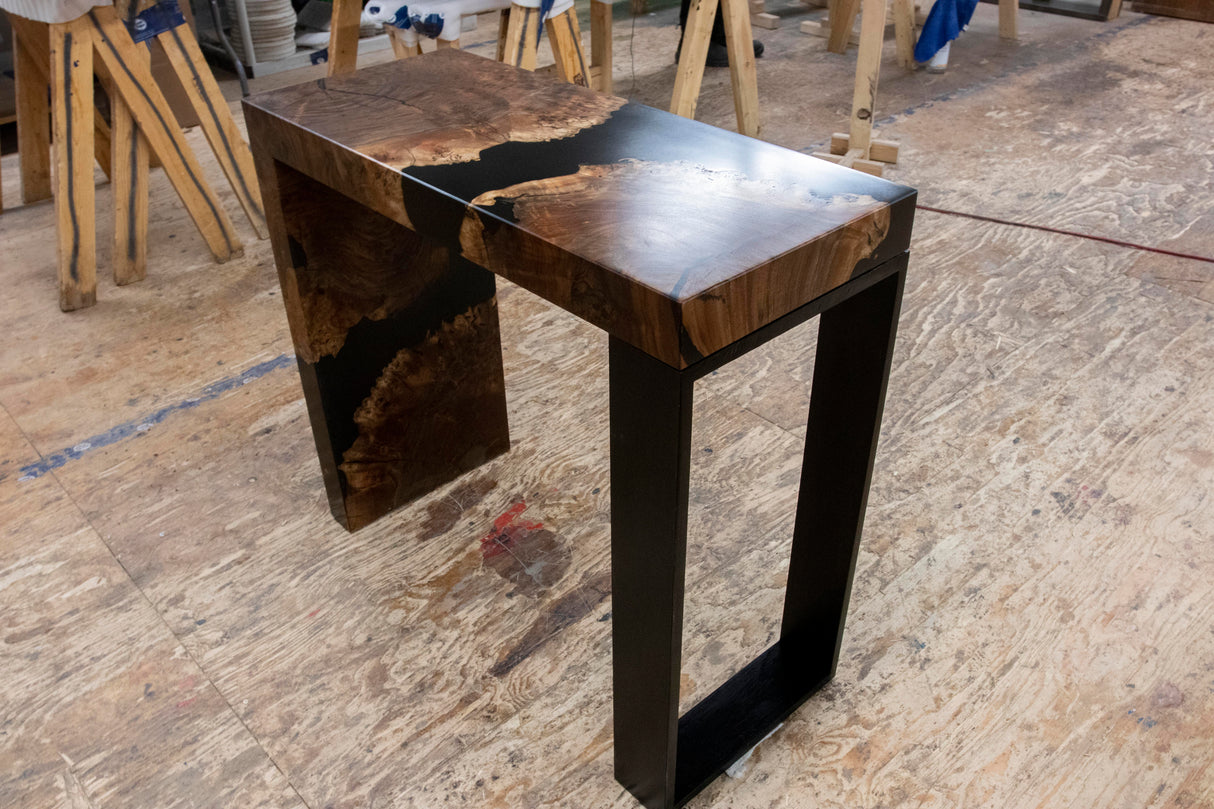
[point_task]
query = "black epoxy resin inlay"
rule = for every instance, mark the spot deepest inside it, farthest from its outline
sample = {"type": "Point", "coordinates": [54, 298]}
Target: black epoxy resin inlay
{"type": "Point", "coordinates": [634, 131]}
{"type": "Point", "coordinates": [346, 379]}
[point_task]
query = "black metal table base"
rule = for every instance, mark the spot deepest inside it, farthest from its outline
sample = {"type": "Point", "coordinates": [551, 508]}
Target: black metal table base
{"type": "Point", "coordinates": [662, 759]}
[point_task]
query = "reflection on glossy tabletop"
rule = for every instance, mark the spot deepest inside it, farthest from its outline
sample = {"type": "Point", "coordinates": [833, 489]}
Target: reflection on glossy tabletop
{"type": "Point", "coordinates": [675, 236]}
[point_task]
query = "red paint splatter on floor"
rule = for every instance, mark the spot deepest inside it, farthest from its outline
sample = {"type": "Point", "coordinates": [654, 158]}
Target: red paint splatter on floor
{"type": "Point", "coordinates": [507, 531]}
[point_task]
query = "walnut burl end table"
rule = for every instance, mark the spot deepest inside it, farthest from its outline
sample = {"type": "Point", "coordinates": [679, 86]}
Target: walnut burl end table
{"type": "Point", "coordinates": [394, 196]}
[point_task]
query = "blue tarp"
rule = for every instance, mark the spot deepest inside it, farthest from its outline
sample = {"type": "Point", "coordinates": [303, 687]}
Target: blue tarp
{"type": "Point", "coordinates": [943, 24]}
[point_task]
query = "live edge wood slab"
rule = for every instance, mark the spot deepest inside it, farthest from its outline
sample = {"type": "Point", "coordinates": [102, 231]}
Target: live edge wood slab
{"type": "Point", "coordinates": [394, 194]}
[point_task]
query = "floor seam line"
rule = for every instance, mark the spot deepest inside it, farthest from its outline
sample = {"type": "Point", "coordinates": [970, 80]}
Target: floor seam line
{"type": "Point", "coordinates": [189, 654]}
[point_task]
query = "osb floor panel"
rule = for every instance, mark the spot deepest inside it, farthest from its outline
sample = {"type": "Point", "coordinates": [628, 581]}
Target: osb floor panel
{"type": "Point", "coordinates": [184, 625]}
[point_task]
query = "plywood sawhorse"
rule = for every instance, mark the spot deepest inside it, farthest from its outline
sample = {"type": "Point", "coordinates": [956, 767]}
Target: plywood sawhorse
{"type": "Point", "coordinates": [518, 36]}
{"type": "Point", "coordinates": [61, 55]}
{"type": "Point", "coordinates": [743, 76]}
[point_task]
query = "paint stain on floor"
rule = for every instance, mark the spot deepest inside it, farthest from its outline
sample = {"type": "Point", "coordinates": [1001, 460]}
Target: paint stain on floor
{"type": "Point", "coordinates": [566, 611]}
{"type": "Point", "coordinates": [443, 514]}
{"type": "Point", "coordinates": [524, 553]}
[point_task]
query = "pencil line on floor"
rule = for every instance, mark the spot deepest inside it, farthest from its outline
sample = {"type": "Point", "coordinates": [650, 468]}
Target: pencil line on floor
{"type": "Point", "coordinates": [1064, 232]}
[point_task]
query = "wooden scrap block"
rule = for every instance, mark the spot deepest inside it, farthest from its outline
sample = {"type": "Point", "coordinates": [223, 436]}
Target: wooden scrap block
{"type": "Point", "coordinates": [884, 151]}
{"type": "Point", "coordinates": [821, 28]}
{"type": "Point", "coordinates": [859, 164]}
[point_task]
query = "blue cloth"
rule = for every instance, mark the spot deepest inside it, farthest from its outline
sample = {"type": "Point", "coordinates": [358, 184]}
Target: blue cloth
{"type": "Point", "coordinates": [545, 8]}
{"type": "Point", "coordinates": [943, 24]}
{"type": "Point", "coordinates": [431, 26]}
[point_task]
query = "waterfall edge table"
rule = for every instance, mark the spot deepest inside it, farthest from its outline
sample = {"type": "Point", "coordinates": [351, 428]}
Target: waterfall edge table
{"type": "Point", "coordinates": [396, 193]}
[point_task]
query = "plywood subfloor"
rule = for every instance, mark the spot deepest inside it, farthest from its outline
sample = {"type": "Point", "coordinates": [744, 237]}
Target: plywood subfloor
{"type": "Point", "coordinates": [183, 625]}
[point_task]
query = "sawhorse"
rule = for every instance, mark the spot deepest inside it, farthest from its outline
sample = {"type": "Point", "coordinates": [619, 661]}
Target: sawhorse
{"type": "Point", "coordinates": [857, 148]}
{"type": "Point", "coordinates": [518, 36]}
{"type": "Point", "coordinates": [61, 55]}
{"type": "Point", "coordinates": [738, 44]}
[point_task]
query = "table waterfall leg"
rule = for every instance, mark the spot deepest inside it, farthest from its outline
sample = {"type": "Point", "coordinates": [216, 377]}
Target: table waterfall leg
{"type": "Point", "coordinates": [398, 347]}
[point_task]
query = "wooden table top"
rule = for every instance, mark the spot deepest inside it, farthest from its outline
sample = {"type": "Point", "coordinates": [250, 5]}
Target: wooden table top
{"type": "Point", "coordinates": [673, 235]}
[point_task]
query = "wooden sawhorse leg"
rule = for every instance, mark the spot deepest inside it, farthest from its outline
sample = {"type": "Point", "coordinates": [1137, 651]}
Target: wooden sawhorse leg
{"type": "Point", "coordinates": [33, 112]}
{"type": "Point", "coordinates": [130, 183]}
{"type": "Point", "coordinates": [844, 13]}
{"type": "Point", "coordinates": [1008, 24]}
{"type": "Point", "coordinates": [402, 48]}
{"type": "Point", "coordinates": [134, 82]}
{"type": "Point", "coordinates": [857, 149]}
{"type": "Point", "coordinates": [71, 75]}
{"type": "Point", "coordinates": [601, 57]}
{"type": "Point", "coordinates": [517, 45]}
{"type": "Point", "coordinates": [518, 38]}
{"type": "Point", "coordinates": [664, 759]}
{"type": "Point", "coordinates": [566, 41]}
{"type": "Point", "coordinates": [36, 142]}
{"type": "Point", "coordinates": [841, 16]}
{"type": "Point", "coordinates": [217, 122]}
{"type": "Point", "coordinates": [343, 36]}
{"type": "Point", "coordinates": [738, 39]}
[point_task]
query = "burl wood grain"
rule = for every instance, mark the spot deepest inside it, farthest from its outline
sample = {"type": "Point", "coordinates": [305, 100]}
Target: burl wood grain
{"type": "Point", "coordinates": [397, 344]}
{"type": "Point", "coordinates": [347, 264]}
{"type": "Point", "coordinates": [676, 237]}
{"type": "Point", "coordinates": [714, 301]}
{"type": "Point", "coordinates": [433, 402]}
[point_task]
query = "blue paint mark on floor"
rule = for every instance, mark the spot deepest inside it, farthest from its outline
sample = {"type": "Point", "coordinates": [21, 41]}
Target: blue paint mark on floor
{"type": "Point", "coordinates": [142, 425]}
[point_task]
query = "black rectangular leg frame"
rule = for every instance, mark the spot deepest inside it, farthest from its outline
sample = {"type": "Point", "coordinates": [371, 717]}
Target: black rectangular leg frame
{"type": "Point", "coordinates": [664, 759]}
